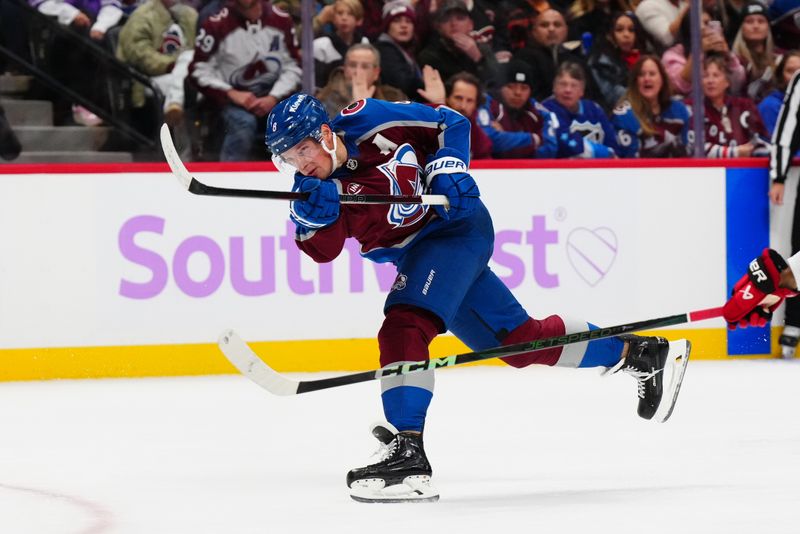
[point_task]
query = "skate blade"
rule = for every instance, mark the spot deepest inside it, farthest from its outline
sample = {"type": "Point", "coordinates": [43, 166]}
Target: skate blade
{"type": "Point", "coordinates": [412, 489]}
{"type": "Point", "coordinates": [674, 369]}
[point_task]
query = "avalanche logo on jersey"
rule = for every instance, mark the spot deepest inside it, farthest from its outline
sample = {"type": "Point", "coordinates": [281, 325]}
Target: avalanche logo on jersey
{"type": "Point", "coordinates": [588, 130]}
{"type": "Point", "coordinates": [403, 172]}
{"type": "Point", "coordinates": [258, 76]}
{"type": "Point", "coordinates": [172, 40]}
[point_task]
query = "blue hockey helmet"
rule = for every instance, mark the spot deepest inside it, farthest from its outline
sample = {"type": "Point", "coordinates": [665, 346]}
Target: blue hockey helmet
{"type": "Point", "coordinates": [293, 119]}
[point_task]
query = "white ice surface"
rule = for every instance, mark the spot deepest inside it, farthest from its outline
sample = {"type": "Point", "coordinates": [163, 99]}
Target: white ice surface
{"type": "Point", "coordinates": [540, 450]}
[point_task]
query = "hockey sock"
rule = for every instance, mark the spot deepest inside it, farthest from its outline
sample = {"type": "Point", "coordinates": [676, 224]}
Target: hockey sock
{"type": "Point", "coordinates": [602, 352]}
{"type": "Point", "coordinates": [404, 337]}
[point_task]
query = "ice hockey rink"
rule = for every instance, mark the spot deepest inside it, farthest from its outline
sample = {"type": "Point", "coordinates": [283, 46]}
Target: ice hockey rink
{"type": "Point", "coordinates": [536, 450]}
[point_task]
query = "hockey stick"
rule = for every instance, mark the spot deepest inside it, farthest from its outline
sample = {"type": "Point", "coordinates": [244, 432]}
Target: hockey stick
{"type": "Point", "coordinates": [249, 364]}
{"type": "Point", "coordinates": [193, 185]}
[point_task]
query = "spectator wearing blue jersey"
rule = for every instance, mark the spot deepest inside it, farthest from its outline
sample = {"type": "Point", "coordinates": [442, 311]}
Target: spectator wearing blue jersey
{"type": "Point", "coordinates": [649, 121]}
{"type": "Point", "coordinates": [771, 105]}
{"type": "Point", "coordinates": [581, 123]}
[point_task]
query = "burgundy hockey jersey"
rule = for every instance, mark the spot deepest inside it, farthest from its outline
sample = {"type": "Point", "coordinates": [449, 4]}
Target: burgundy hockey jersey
{"type": "Point", "coordinates": [232, 52]}
{"type": "Point", "coordinates": [737, 122]}
{"type": "Point", "coordinates": [387, 144]}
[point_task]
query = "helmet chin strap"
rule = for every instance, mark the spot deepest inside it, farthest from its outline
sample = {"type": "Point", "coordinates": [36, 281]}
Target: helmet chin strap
{"type": "Point", "coordinates": [331, 151]}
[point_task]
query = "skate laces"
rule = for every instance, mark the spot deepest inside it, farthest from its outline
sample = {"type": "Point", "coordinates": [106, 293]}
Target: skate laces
{"type": "Point", "coordinates": [641, 378]}
{"type": "Point", "coordinates": [384, 451]}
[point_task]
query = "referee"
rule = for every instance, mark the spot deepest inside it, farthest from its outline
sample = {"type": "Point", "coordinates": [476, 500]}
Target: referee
{"type": "Point", "coordinates": [785, 142]}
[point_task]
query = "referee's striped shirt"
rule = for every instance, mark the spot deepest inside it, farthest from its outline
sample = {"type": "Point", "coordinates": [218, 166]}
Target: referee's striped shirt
{"type": "Point", "coordinates": [786, 138]}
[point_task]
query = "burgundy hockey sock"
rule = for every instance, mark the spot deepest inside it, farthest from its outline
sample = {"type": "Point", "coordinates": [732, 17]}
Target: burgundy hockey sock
{"type": "Point", "coordinates": [405, 335]}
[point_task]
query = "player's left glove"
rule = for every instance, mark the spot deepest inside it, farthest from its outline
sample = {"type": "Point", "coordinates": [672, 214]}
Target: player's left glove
{"type": "Point", "coordinates": [446, 174]}
{"type": "Point", "coordinates": [758, 293]}
{"type": "Point", "coordinates": [322, 206]}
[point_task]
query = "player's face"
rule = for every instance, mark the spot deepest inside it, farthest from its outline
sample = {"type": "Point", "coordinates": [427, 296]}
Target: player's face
{"type": "Point", "coordinates": [361, 62]}
{"type": "Point", "coordinates": [463, 98]}
{"type": "Point", "coordinates": [550, 28]}
{"type": "Point", "coordinates": [715, 82]}
{"type": "Point", "coordinates": [568, 91]}
{"type": "Point", "coordinates": [792, 66]}
{"type": "Point", "coordinates": [308, 157]}
{"type": "Point", "coordinates": [755, 28]}
{"type": "Point", "coordinates": [516, 94]}
{"type": "Point", "coordinates": [624, 34]}
{"type": "Point", "coordinates": [649, 81]}
{"type": "Point", "coordinates": [401, 29]}
{"type": "Point", "coordinates": [343, 19]}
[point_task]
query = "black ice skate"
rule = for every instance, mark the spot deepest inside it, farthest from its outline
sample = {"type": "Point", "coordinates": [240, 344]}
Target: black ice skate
{"type": "Point", "coordinates": [788, 341]}
{"type": "Point", "coordinates": [658, 367]}
{"type": "Point", "coordinates": [403, 473]}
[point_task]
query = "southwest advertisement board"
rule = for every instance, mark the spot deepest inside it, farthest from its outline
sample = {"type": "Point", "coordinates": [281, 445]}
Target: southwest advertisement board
{"type": "Point", "coordinates": [100, 262]}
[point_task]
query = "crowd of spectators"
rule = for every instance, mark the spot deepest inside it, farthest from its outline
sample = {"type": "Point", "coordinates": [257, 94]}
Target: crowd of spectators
{"type": "Point", "coordinates": [536, 78]}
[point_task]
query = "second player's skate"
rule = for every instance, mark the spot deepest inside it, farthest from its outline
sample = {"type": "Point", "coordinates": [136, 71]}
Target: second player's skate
{"type": "Point", "coordinates": [788, 341]}
{"type": "Point", "coordinates": [658, 366]}
{"type": "Point", "coordinates": [403, 474]}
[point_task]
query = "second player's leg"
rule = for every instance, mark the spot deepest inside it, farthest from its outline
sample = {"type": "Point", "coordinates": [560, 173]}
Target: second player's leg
{"type": "Point", "coordinates": [490, 316]}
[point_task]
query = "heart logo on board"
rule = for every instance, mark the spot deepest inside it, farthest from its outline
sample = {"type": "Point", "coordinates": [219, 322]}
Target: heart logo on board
{"type": "Point", "coordinates": [592, 252]}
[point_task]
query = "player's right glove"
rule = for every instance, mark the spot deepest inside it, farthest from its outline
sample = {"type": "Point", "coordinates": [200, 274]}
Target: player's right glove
{"type": "Point", "coordinates": [446, 174]}
{"type": "Point", "coordinates": [757, 294]}
{"type": "Point", "coordinates": [322, 206]}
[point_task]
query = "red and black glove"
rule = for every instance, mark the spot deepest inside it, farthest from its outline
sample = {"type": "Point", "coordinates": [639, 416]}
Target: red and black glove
{"type": "Point", "coordinates": [756, 295]}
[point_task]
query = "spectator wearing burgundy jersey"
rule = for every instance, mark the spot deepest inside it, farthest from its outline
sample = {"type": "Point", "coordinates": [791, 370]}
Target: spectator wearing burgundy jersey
{"type": "Point", "coordinates": [678, 62]}
{"type": "Point", "coordinates": [582, 128]}
{"type": "Point", "coordinates": [518, 126]}
{"type": "Point", "coordinates": [244, 63]}
{"type": "Point", "coordinates": [649, 121]}
{"type": "Point", "coordinates": [733, 127]}
{"type": "Point", "coordinates": [756, 51]}
{"type": "Point", "coordinates": [465, 94]}
{"type": "Point", "coordinates": [454, 49]}
{"type": "Point", "coordinates": [613, 57]}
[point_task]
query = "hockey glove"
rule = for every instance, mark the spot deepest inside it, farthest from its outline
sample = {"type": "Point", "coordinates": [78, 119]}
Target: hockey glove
{"type": "Point", "coordinates": [322, 206]}
{"type": "Point", "coordinates": [446, 174]}
{"type": "Point", "coordinates": [757, 294]}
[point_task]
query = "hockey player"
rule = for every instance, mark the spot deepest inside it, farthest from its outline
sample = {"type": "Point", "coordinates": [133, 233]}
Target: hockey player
{"type": "Point", "coordinates": [441, 254]}
{"type": "Point", "coordinates": [768, 281]}
{"type": "Point", "coordinates": [785, 142]}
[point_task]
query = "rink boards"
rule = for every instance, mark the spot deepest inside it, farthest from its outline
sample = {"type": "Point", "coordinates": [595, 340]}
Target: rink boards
{"type": "Point", "coordinates": [117, 271]}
